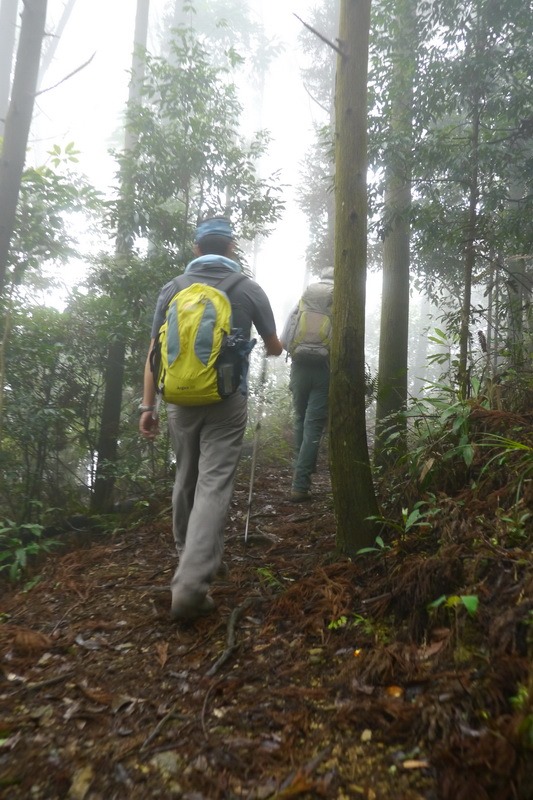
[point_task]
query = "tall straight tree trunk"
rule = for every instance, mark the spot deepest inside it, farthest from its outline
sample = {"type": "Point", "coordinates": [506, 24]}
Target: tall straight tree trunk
{"type": "Point", "coordinates": [394, 330]}
{"type": "Point", "coordinates": [516, 282]}
{"type": "Point", "coordinates": [496, 319]}
{"type": "Point", "coordinates": [471, 228]}
{"type": "Point", "coordinates": [470, 254]}
{"type": "Point", "coordinates": [490, 320]}
{"type": "Point", "coordinates": [419, 360]}
{"type": "Point", "coordinates": [8, 30]}
{"type": "Point", "coordinates": [18, 122]}
{"type": "Point", "coordinates": [102, 498]}
{"type": "Point", "coordinates": [353, 491]}
{"type": "Point", "coordinates": [518, 292]}
{"type": "Point", "coordinates": [53, 41]}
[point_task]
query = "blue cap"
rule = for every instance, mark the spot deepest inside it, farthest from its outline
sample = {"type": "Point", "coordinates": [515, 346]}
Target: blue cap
{"type": "Point", "coordinates": [216, 226]}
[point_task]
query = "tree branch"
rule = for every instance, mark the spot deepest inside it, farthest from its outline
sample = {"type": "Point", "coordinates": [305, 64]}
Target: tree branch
{"type": "Point", "coordinates": [78, 69]}
{"type": "Point", "coordinates": [320, 36]}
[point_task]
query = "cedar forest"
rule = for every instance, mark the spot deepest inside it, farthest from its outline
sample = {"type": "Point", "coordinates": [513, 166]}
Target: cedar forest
{"type": "Point", "coordinates": [377, 643]}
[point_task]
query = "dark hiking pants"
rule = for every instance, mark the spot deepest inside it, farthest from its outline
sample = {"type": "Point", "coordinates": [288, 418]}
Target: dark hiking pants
{"type": "Point", "coordinates": [309, 385]}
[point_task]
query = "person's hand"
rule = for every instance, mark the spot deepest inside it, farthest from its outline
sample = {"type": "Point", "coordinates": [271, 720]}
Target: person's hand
{"type": "Point", "coordinates": [148, 426]}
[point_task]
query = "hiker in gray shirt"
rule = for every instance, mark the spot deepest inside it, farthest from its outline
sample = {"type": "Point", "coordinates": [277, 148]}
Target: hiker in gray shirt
{"type": "Point", "coordinates": [307, 339]}
{"type": "Point", "coordinates": [207, 439]}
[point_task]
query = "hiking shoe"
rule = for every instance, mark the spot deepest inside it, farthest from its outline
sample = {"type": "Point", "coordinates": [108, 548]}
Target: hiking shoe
{"type": "Point", "coordinates": [188, 606]}
{"type": "Point", "coordinates": [299, 497]}
{"type": "Point", "coordinates": [223, 571]}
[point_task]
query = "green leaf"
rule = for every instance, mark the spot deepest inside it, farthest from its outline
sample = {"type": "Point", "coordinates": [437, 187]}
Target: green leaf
{"type": "Point", "coordinates": [413, 517]}
{"type": "Point", "coordinates": [468, 454]}
{"type": "Point", "coordinates": [471, 603]}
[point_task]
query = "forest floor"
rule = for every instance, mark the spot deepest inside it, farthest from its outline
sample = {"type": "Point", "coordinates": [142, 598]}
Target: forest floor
{"type": "Point", "coordinates": [315, 677]}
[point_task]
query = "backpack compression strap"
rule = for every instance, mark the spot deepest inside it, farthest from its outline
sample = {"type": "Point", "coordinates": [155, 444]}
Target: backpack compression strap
{"type": "Point", "coordinates": [226, 284]}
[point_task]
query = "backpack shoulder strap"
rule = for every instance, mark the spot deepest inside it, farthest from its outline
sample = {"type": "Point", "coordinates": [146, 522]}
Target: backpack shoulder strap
{"type": "Point", "coordinates": [230, 281]}
{"type": "Point", "coordinates": [183, 281]}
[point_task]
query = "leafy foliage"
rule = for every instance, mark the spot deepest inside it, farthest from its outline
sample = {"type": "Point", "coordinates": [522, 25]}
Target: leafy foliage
{"type": "Point", "coordinates": [43, 233]}
{"type": "Point", "coordinates": [18, 544]}
{"type": "Point", "coordinates": [188, 160]}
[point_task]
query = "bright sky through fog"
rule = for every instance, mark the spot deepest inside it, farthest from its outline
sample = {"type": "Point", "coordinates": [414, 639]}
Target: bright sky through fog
{"type": "Point", "coordinates": [87, 109]}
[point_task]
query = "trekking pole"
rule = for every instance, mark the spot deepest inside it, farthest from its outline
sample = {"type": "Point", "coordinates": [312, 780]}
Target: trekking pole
{"type": "Point", "coordinates": [260, 405]}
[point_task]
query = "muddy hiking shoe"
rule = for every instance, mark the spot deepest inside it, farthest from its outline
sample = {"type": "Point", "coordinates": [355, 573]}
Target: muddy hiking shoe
{"type": "Point", "coordinates": [187, 606]}
{"type": "Point", "coordinates": [299, 497]}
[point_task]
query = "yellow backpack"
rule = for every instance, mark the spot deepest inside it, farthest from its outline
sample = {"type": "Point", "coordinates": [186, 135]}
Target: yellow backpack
{"type": "Point", "coordinates": [309, 335]}
{"type": "Point", "coordinates": [198, 357]}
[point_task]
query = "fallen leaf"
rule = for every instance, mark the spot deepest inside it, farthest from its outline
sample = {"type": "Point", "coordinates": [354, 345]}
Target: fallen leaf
{"type": "Point", "coordinates": [162, 652]}
{"type": "Point", "coordinates": [81, 783]}
{"type": "Point", "coordinates": [121, 701]}
{"type": "Point", "coordinates": [366, 736]}
{"type": "Point", "coordinates": [431, 649]}
{"type": "Point", "coordinates": [300, 784]}
{"type": "Point", "coordinates": [426, 468]}
{"type": "Point", "coordinates": [394, 691]}
{"type": "Point", "coordinates": [97, 695]}
{"type": "Point", "coordinates": [27, 641]}
{"type": "Point", "coordinates": [362, 687]}
{"type": "Point", "coordinates": [90, 644]}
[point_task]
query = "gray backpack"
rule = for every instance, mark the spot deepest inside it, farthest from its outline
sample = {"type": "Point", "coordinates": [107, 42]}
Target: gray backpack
{"type": "Point", "coordinates": [309, 334]}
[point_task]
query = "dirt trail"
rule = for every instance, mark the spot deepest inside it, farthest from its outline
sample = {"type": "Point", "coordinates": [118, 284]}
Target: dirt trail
{"type": "Point", "coordinates": [276, 695]}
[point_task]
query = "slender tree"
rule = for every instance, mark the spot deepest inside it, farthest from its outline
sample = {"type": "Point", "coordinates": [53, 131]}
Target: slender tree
{"type": "Point", "coordinates": [18, 121]}
{"type": "Point", "coordinates": [102, 498]}
{"type": "Point", "coordinates": [353, 490]}
{"type": "Point", "coordinates": [394, 330]}
{"type": "Point", "coordinates": [53, 41]}
{"type": "Point", "coordinates": [316, 195]}
{"type": "Point", "coordinates": [8, 26]}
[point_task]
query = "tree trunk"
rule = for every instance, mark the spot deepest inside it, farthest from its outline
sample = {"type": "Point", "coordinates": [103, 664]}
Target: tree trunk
{"type": "Point", "coordinates": [8, 30]}
{"type": "Point", "coordinates": [470, 260]}
{"type": "Point", "coordinates": [419, 360]}
{"type": "Point", "coordinates": [472, 213]}
{"type": "Point", "coordinates": [394, 330]}
{"type": "Point", "coordinates": [516, 344]}
{"type": "Point", "coordinates": [53, 41]}
{"type": "Point", "coordinates": [102, 497]}
{"type": "Point", "coordinates": [353, 491]}
{"type": "Point", "coordinates": [18, 121]}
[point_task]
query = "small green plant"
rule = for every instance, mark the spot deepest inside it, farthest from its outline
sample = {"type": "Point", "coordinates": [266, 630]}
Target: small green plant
{"type": "Point", "coordinates": [380, 547]}
{"type": "Point", "coordinates": [453, 603]}
{"type": "Point", "coordinates": [469, 601]}
{"type": "Point", "coordinates": [516, 456]}
{"type": "Point", "coordinates": [520, 700]}
{"type": "Point", "coordinates": [354, 621]}
{"type": "Point", "coordinates": [18, 543]}
{"type": "Point", "coordinates": [336, 624]}
{"type": "Point", "coordinates": [268, 577]}
{"type": "Point", "coordinates": [515, 524]}
{"type": "Point", "coordinates": [419, 516]}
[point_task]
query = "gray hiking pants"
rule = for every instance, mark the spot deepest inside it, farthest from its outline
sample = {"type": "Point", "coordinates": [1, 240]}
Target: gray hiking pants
{"type": "Point", "coordinates": [207, 441]}
{"type": "Point", "coordinates": [309, 385]}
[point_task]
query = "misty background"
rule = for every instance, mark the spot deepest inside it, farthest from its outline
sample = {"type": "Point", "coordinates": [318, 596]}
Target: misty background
{"type": "Point", "coordinates": [88, 108]}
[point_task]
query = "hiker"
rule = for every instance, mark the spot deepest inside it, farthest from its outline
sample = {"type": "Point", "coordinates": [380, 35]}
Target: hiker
{"type": "Point", "coordinates": [307, 339]}
{"type": "Point", "coordinates": [206, 438]}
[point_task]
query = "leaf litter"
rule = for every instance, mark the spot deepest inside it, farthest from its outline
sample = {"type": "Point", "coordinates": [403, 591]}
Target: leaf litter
{"type": "Point", "coordinates": [316, 677]}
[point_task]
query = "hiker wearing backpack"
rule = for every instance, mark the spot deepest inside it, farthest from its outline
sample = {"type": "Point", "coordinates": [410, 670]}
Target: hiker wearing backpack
{"type": "Point", "coordinates": [198, 360]}
{"type": "Point", "coordinates": [307, 339]}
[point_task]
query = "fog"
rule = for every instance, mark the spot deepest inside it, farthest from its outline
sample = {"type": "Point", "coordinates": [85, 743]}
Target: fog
{"type": "Point", "coordinates": [87, 107]}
